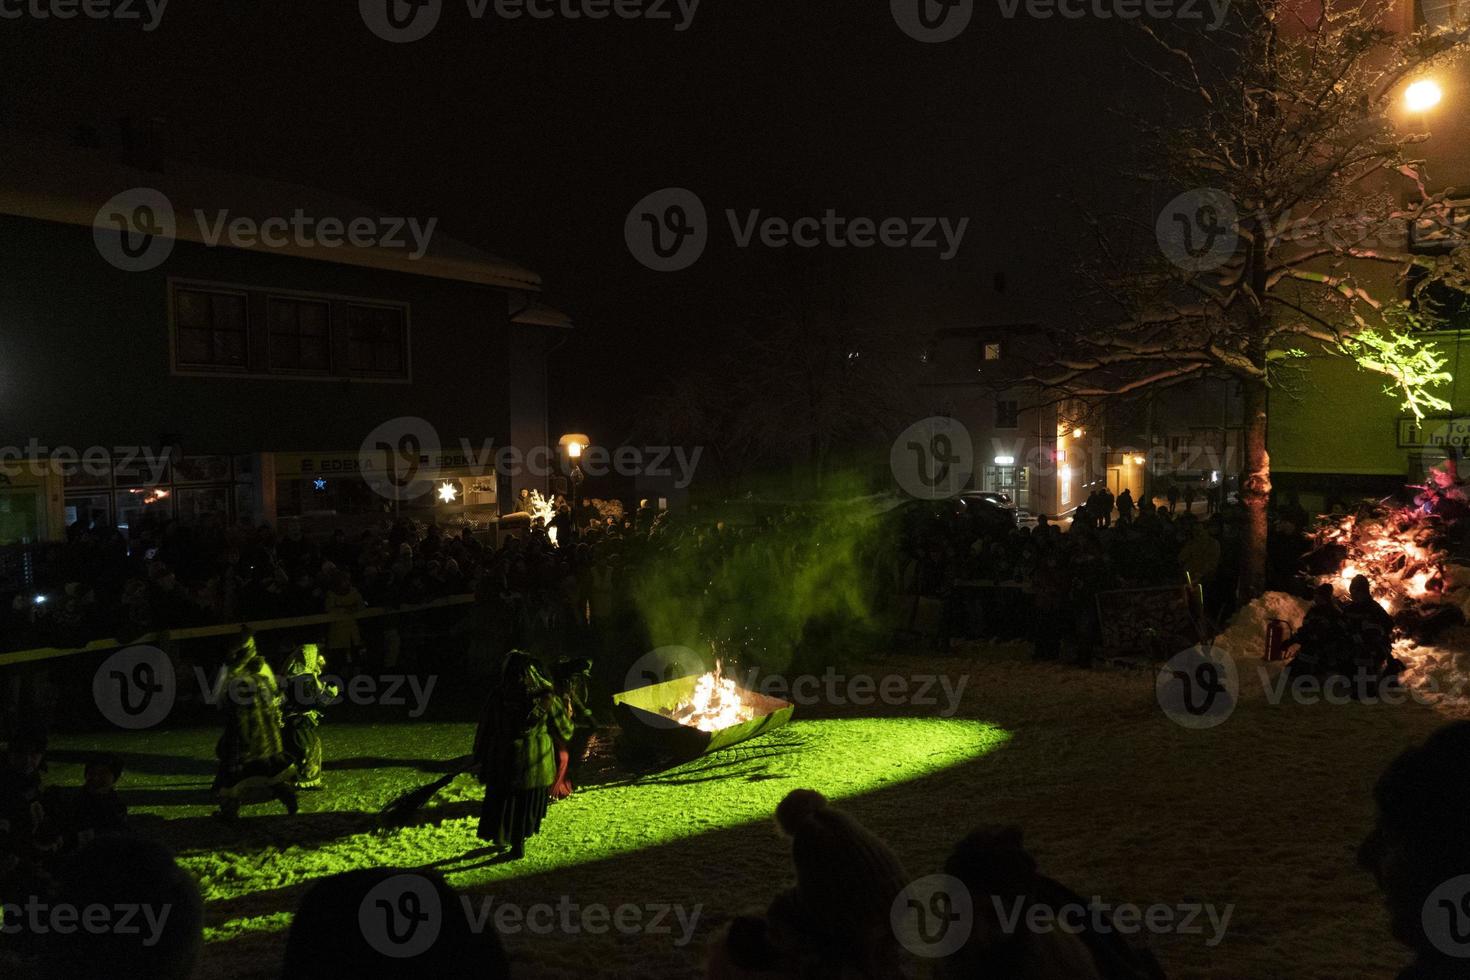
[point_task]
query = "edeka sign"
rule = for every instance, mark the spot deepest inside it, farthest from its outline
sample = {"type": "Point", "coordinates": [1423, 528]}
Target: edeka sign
{"type": "Point", "coordinates": [1443, 433]}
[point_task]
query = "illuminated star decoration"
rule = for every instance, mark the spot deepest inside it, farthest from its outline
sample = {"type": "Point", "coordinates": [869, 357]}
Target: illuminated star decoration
{"type": "Point", "coordinates": [447, 492]}
{"type": "Point", "coordinates": [319, 484]}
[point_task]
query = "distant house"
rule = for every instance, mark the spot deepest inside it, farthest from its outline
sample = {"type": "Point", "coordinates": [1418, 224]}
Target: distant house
{"type": "Point", "coordinates": [1045, 454]}
{"type": "Point", "coordinates": [240, 377]}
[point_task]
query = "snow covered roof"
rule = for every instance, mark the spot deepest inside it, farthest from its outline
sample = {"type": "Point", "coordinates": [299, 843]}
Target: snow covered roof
{"type": "Point", "coordinates": [51, 181]}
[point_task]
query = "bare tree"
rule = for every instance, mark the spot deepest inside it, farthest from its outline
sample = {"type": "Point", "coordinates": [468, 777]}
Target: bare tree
{"type": "Point", "coordinates": [1295, 233]}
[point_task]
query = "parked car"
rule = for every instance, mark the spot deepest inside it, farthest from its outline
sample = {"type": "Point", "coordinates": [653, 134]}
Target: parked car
{"type": "Point", "coordinates": [992, 500]}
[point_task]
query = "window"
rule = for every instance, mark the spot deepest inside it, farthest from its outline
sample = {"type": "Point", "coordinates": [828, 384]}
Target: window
{"type": "Point", "coordinates": [1007, 414]}
{"type": "Point", "coordinates": [274, 333]}
{"type": "Point", "coordinates": [992, 351]}
{"type": "Point", "coordinates": [376, 340]}
{"type": "Point", "coordinates": [300, 338]}
{"type": "Point", "coordinates": [212, 328]}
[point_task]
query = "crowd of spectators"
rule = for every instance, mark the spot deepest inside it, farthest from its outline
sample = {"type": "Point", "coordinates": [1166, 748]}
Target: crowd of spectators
{"type": "Point", "coordinates": [99, 583]}
{"type": "Point", "coordinates": [983, 576]}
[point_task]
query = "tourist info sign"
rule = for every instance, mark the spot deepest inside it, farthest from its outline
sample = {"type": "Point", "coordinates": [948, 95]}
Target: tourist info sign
{"type": "Point", "coordinates": [1430, 433]}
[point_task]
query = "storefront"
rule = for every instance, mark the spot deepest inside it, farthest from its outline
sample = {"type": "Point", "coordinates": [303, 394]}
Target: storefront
{"type": "Point", "coordinates": [333, 489]}
{"type": "Point", "coordinates": [120, 491]}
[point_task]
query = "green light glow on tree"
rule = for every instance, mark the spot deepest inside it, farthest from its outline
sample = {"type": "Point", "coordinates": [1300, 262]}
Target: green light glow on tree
{"type": "Point", "coordinates": [1414, 367]}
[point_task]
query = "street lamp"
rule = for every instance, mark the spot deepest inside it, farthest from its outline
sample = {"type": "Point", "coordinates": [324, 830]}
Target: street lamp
{"type": "Point", "coordinates": [572, 444]}
{"type": "Point", "coordinates": [1423, 95]}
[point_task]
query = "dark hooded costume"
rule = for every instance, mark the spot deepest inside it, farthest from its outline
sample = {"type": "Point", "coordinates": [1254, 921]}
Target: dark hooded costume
{"type": "Point", "coordinates": [516, 752]}
{"type": "Point", "coordinates": [252, 757]}
{"type": "Point", "coordinates": [304, 696]}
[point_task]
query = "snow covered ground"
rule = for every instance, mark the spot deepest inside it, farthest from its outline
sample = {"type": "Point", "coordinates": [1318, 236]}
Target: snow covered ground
{"type": "Point", "coordinates": [1262, 813]}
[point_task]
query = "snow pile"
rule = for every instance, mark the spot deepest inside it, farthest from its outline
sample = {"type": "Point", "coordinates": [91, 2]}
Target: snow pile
{"type": "Point", "coordinates": [1438, 675]}
{"type": "Point", "coordinates": [1245, 636]}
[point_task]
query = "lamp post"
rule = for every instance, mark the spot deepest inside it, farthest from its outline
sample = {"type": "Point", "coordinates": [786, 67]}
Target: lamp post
{"type": "Point", "coordinates": [572, 445]}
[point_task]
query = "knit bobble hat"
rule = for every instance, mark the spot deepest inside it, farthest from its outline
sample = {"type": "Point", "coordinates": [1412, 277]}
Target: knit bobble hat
{"type": "Point", "coordinates": [846, 877]}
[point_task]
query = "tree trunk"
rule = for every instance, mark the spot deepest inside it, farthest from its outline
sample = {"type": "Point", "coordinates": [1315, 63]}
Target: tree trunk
{"type": "Point", "coordinates": [1255, 493]}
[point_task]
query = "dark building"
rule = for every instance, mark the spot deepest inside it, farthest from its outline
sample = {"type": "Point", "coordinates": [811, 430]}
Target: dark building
{"type": "Point", "coordinates": [234, 365]}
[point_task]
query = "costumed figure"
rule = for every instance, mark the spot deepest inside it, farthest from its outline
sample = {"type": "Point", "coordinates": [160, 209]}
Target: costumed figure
{"type": "Point", "coordinates": [252, 756]}
{"type": "Point", "coordinates": [304, 697]}
{"type": "Point", "coordinates": [516, 754]}
{"type": "Point", "coordinates": [569, 677]}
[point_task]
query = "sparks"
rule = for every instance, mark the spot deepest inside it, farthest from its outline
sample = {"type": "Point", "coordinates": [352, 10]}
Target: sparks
{"type": "Point", "coordinates": [716, 704]}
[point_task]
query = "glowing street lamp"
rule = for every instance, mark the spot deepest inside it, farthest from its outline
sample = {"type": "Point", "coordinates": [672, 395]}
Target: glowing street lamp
{"type": "Point", "coordinates": [1423, 95]}
{"type": "Point", "coordinates": [572, 444]}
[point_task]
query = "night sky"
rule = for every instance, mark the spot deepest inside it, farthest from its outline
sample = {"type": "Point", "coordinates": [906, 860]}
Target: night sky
{"type": "Point", "coordinates": [533, 139]}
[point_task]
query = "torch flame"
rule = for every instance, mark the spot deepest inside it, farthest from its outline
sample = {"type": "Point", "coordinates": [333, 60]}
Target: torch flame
{"type": "Point", "coordinates": [716, 704]}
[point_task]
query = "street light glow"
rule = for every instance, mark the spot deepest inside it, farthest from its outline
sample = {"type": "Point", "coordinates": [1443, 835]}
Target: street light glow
{"type": "Point", "coordinates": [1423, 95]}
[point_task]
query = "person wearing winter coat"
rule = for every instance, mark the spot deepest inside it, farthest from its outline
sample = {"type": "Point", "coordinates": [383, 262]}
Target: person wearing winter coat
{"type": "Point", "coordinates": [1125, 506]}
{"type": "Point", "coordinates": [1003, 881]}
{"type": "Point", "coordinates": [836, 922]}
{"type": "Point", "coordinates": [1418, 853]}
{"type": "Point", "coordinates": [515, 750]}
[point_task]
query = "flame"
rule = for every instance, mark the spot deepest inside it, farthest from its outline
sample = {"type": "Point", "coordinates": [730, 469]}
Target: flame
{"type": "Point", "coordinates": [716, 704]}
{"type": "Point", "coordinates": [1398, 550]}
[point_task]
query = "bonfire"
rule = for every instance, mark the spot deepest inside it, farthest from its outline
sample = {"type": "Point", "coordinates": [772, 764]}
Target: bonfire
{"type": "Point", "coordinates": [716, 704]}
{"type": "Point", "coordinates": [1400, 550]}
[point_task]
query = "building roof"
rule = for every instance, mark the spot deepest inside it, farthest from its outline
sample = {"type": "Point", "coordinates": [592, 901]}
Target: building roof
{"type": "Point", "coordinates": [52, 181]}
{"type": "Point", "coordinates": [539, 314]}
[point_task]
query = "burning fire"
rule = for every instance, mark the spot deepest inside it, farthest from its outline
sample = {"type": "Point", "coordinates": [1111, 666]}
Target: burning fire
{"type": "Point", "coordinates": [716, 704]}
{"type": "Point", "coordinates": [1396, 550]}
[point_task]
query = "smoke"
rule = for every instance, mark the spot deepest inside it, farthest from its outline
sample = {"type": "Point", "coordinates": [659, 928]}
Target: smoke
{"type": "Point", "coordinates": [775, 584]}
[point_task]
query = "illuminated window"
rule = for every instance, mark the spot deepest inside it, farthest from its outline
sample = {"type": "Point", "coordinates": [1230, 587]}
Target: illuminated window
{"type": "Point", "coordinates": [992, 352]}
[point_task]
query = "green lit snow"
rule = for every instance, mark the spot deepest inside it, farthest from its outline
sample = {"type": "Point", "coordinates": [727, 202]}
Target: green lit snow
{"type": "Point", "coordinates": [617, 814]}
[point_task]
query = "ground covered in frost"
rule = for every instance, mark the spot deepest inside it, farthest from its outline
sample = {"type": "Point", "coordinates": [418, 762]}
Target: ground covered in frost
{"type": "Point", "coordinates": [1262, 813]}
